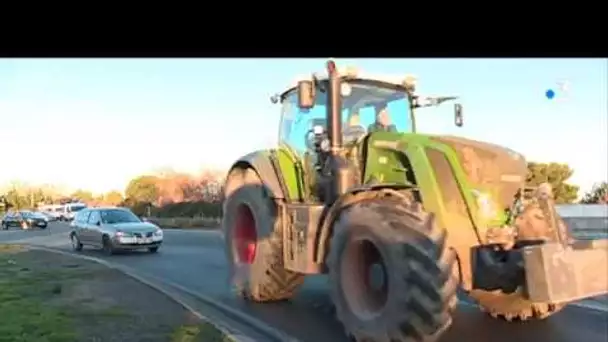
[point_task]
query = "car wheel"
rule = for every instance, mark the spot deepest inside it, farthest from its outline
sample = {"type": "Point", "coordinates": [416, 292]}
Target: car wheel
{"type": "Point", "coordinates": [76, 244]}
{"type": "Point", "coordinates": [108, 248]}
{"type": "Point", "coordinates": [4, 226]}
{"type": "Point", "coordinates": [153, 249]}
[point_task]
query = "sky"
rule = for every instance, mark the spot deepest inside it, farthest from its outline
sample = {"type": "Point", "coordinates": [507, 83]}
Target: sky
{"type": "Point", "coordinates": [96, 123]}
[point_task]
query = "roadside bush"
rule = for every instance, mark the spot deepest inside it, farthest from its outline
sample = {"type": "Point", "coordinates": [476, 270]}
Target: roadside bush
{"type": "Point", "coordinates": [189, 209]}
{"type": "Point", "coordinates": [186, 222]}
{"type": "Point", "coordinates": [199, 214]}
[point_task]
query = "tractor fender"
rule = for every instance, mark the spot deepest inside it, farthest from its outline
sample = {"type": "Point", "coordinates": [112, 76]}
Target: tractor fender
{"type": "Point", "coordinates": [261, 163]}
{"type": "Point", "coordinates": [352, 196]}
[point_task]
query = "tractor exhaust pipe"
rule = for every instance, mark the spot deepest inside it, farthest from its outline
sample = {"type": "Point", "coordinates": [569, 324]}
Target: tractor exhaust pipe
{"type": "Point", "coordinates": [334, 109]}
{"type": "Point", "coordinates": [340, 168]}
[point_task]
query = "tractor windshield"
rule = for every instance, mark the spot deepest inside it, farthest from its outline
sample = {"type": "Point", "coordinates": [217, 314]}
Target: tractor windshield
{"type": "Point", "coordinates": [367, 106]}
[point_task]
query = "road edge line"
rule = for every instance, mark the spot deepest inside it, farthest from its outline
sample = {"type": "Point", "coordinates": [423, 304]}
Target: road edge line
{"type": "Point", "coordinates": [585, 305]}
{"type": "Point", "coordinates": [235, 337]}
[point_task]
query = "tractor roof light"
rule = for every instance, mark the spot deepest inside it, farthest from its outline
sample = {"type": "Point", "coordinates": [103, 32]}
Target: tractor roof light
{"type": "Point", "coordinates": [351, 72]}
{"type": "Point", "coordinates": [410, 82]}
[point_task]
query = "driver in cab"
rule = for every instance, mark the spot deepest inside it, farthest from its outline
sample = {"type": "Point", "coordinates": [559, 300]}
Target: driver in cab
{"type": "Point", "coordinates": [353, 130]}
{"type": "Point", "coordinates": [383, 121]}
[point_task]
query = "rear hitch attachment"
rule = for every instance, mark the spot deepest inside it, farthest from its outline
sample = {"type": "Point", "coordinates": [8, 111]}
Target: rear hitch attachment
{"type": "Point", "coordinates": [559, 274]}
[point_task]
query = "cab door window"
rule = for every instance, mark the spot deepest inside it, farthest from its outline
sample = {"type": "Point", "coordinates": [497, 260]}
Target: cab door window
{"type": "Point", "coordinates": [296, 123]}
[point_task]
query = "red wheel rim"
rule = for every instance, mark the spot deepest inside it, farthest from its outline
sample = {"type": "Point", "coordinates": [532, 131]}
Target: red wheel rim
{"type": "Point", "coordinates": [364, 279]}
{"type": "Point", "coordinates": [245, 235]}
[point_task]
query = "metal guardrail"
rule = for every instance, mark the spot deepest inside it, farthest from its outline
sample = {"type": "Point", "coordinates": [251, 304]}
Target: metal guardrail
{"type": "Point", "coordinates": [586, 220]}
{"type": "Point", "coordinates": [586, 223]}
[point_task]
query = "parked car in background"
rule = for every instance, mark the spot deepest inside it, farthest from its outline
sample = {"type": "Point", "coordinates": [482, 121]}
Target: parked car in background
{"type": "Point", "coordinates": [48, 216]}
{"type": "Point", "coordinates": [24, 220]}
{"type": "Point", "coordinates": [70, 210]}
{"type": "Point", "coordinates": [113, 229]}
{"type": "Point", "coordinates": [52, 210]}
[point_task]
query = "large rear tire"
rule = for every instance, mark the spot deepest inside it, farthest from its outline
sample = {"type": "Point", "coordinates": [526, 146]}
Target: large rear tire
{"type": "Point", "coordinates": [533, 224]}
{"type": "Point", "coordinates": [417, 296]}
{"type": "Point", "coordinates": [254, 241]}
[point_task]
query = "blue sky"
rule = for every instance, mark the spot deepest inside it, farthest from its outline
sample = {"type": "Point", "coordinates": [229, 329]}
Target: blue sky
{"type": "Point", "coordinates": [95, 123]}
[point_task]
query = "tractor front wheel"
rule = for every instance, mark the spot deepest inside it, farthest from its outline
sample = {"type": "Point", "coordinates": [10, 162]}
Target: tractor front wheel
{"type": "Point", "coordinates": [392, 276]}
{"type": "Point", "coordinates": [254, 241]}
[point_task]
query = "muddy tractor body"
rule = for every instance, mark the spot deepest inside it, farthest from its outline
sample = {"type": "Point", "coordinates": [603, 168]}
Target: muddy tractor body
{"type": "Point", "coordinates": [398, 220]}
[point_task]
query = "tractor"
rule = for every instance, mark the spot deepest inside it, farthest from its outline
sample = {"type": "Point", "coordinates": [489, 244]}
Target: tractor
{"type": "Point", "coordinates": [398, 220]}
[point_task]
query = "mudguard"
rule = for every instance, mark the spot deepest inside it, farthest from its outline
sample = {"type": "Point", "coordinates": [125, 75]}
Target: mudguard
{"type": "Point", "coordinates": [261, 162]}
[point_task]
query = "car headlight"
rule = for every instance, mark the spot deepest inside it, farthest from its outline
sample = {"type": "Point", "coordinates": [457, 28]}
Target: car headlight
{"type": "Point", "coordinates": [158, 233]}
{"type": "Point", "coordinates": [122, 234]}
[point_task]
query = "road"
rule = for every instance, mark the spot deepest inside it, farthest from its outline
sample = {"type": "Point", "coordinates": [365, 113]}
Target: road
{"type": "Point", "coordinates": [195, 260]}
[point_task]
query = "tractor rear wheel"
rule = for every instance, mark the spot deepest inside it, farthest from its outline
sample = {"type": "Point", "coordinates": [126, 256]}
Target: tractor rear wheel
{"type": "Point", "coordinates": [534, 223]}
{"type": "Point", "coordinates": [253, 235]}
{"type": "Point", "coordinates": [392, 276]}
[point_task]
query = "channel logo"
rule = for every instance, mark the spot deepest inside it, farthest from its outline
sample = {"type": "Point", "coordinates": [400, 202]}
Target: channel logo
{"type": "Point", "coordinates": [560, 90]}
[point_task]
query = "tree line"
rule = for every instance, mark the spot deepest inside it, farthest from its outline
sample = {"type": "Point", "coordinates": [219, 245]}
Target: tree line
{"type": "Point", "coordinates": [164, 194]}
{"type": "Point", "coordinates": [174, 194]}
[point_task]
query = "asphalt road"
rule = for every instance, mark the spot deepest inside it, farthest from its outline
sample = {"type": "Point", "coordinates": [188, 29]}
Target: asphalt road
{"type": "Point", "coordinates": [195, 260]}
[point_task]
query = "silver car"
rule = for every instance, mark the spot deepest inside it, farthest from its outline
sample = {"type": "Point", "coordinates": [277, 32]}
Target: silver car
{"type": "Point", "coordinates": [113, 229]}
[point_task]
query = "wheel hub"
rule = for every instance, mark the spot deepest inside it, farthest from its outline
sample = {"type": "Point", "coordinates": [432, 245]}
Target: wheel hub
{"type": "Point", "coordinates": [364, 279]}
{"type": "Point", "coordinates": [245, 235]}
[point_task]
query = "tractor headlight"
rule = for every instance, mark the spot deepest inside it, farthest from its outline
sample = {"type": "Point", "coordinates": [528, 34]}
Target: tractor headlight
{"type": "Point", "coordinates": [345, 89]}
{"type": "Point", "coordinates": [350, 72]}
{"type": "Point", "coordinates": [486, 205]}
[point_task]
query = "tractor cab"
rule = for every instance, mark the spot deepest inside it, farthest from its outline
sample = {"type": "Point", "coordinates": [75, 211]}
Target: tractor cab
{"type": "Point", "coordinates": [365, 104]}
{"type": "Point", "coordinates": [332, 116]}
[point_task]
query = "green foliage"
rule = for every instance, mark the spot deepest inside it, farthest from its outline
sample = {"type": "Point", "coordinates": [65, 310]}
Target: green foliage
{"type": "Point", "coordinates": [189, 209]}
{"type": "Point", "coordinates": [113, 198]}
{"type": "Point", "coordinates": [597, 195]}
{"type": "Point", "coordinates": [179, 209]}
{"type": "Point", "coordinates": [555, 174]}
{"type": "Point", "coordinates": [82, 195]}
{"type": "Point", "coordinates": [142, 189]}
{"type": "Point", "coordinates": [16, 201]}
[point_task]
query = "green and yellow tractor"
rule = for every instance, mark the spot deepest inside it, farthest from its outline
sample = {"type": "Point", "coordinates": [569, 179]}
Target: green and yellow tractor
{"type": "Point", "coordinates": [398, 220]}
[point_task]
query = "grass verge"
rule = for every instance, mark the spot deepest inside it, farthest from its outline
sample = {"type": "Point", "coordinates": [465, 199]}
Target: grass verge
{"type": "Point", "coordinates": [48, 297]}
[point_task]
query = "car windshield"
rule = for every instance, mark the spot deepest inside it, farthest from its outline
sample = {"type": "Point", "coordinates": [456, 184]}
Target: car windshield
{"type": "Point", "coordinates": [118, 216]}
{"type": "Point", "coordinates": [26, 214]}
{"type": "Point", "coordinates": [367, 105]}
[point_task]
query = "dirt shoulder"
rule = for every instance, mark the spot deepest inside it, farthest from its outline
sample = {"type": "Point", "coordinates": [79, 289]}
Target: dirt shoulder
{"type": "Point", "coordinates": [56, 298]}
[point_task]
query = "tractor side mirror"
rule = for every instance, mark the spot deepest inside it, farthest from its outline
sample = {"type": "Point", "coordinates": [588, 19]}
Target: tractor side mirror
{"type": "Point", "coordinates": [306, 94]}
{"type": "Point", "coordinates": [458, 119]}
